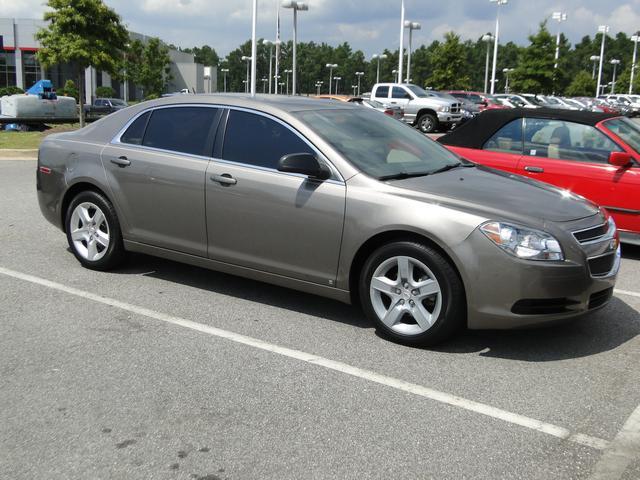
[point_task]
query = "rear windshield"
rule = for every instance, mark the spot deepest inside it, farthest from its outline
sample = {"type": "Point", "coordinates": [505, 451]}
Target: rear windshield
{"type": "Point", "coordinates": [378, 145]}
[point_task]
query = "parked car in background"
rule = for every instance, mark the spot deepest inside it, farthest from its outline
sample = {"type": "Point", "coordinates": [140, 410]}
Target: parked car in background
{"type": "Point", "coordinates": [632, 106]}
{"type": "Point", "coordinates": [423, 109]}
{"type": "Point", "coordinates": [595, 155]}
{"type": "Point", "coordinates": [332, 199]}
{"type": "Point", "coordinates": [482, 100]}
{"type": "Point", "coordinates": [104, 106]}
{"type": "Point", "coordinates": [394, 111]}
{"type": "Point", "coordinates": [517, 101]}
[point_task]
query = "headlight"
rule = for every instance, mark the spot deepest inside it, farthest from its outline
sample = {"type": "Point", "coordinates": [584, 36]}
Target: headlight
{"type": "Point", "coordinates": [523, 242]}
{"type": "Point", "coordinates": [444, 109]}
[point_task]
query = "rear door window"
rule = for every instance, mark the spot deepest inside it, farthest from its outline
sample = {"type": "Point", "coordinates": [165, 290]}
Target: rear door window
{"type": "Point", "coordinates": [382, 92]}
{"type": "Point", "coordinates": [398, 92]}
{"type": "Point", "coordinates": [182, 129]}
{"type": "Point", "coordinates": [508, 139]}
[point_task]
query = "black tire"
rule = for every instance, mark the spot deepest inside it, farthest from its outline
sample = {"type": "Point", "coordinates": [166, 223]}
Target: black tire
{"type": "Point", "coordinates": [114, 254]}
{"type": "Point", "coordinates": [427, 123]}
{"type": "Point", "coordinates": [453, 309]}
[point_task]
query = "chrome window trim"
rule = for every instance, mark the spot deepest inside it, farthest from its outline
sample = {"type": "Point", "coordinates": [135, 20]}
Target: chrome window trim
{"type": "Point", "coordinates": [116, 141]}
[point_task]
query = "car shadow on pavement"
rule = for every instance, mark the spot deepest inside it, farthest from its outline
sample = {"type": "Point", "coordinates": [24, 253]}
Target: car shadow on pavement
{"type": "Point", "coordinates": [243, 288]}
{"type": "Point", "coordinates": [595, 333]}
{"type": "Point", "coordinates": [631, 252]}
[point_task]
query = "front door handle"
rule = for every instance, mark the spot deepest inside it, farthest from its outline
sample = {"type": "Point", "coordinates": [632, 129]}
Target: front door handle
{"type": "Point", "coordinates": [121, 161]}
{"type": "Point", "coordinates": [534, 169]}
{"type": "Point", "coordinates": [224, 179]}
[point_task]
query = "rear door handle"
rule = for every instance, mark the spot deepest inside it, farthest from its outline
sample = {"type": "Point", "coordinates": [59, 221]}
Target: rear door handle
{"type": "Point", "coordinates": [121, 161]}
{"type": "Point", "coordinates": [534, 169]}
{"type": "Point", "coordinates": [224, 179]}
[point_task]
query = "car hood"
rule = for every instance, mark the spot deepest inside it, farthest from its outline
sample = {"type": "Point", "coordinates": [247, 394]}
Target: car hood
{"type": "Point", "coordinates": [500, 195]}
{"type": "Point", "coordinates": [435, 101]}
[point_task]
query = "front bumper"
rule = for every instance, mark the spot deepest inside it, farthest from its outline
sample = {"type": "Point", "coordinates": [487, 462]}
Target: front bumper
{"type": "Point", "coordinates": [448, 117]}
{"type": "Point", "coordinates": [504, 292]}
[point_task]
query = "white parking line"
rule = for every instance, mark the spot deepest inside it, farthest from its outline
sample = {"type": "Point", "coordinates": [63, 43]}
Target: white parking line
{"type": "Point", "coordinates": [441, 397]}
{"type": "Point", "coordinates": [627, 292]}
{"type": "Point", "coordinates": [624, 449]}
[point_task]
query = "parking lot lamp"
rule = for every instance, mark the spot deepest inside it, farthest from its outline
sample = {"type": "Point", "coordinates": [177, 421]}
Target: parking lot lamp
{"type": "Point", "coordinates": [615, 62]}
{"type": "Point", "coordinates": [411, 26]}
{"type": "Point", "coordinates": [296, 6]}
{"type": "Point", "coordinates": [604, 29]}
{"type": "Point", "coordinates": [281, 86]}
{"type": "Point", "coordinates": [507, 71]}
{"type": "Point", "coordinates": [277, 79]}
{"type": "Point", "coordinates": [224, 72]}
{"type": "Point", "coordinates": [359, 75]}
{"type": "Point", "coordinates": [246, 82]}
{"type": "Point", "coordinates": [378, 56]}
{"type": "Point", "coordinates": [395, 76]}
{"type": "Point", "coordinates": [254, 48]}
{"type": "Point", "coordinates": [635, 38]}
{"type": "Point", "coordinates": [331, 66]}
{"type": "Point", "coordinates": [594, 59]}
{"type": "Point", "coordinates": [270, 43]}
{"type": "Point", "coordinates": [487, 38]}
{"type": "Point", "coordinates": [337, 79]}
{"type": "Point", "coordinates": [319, 86]}
{"type": "Point", "coordinates": [287, 73]}
{"type": "Point", "coordinates": [401, 56]}
{"type": "Point", "coordinates": [559, 17]}
{"type": "Point", "coordinates": [264, 81]}
{"type": "Point", "coordinates": [496, 39]}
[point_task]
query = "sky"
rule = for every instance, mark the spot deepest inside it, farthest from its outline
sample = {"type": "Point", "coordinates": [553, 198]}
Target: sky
{"type": "Point", "coordinates": [368, 25]}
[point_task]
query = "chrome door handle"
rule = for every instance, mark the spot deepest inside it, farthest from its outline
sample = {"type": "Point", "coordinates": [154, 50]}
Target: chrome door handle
{"type": "Point", "coordinates": [534, 169]}
{"type": "Point", "coordinates": [121, 161]}
{"type": "Point", "coordinates": [224, 179]}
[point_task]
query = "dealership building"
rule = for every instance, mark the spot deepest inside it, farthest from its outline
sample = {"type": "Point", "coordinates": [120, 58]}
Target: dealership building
{"type": "Point", "coordinates": [20, 67]}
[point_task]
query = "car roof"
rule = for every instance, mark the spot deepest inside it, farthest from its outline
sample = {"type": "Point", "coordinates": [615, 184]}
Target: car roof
{"type": "Point", "coordinates": [475, 132]}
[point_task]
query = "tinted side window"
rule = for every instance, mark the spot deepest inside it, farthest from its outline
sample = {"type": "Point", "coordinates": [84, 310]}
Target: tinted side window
{"type": "Point", "coordinates": [135, 132]}
{"type": "Point", "coordinates": [508, 139]}
{"type": "Point", "coordinates": [382, 92]}
{"type": "Point", "coordinates": [566, 141]}
{"type": "Point", "coordinates": [398, 92]}
{"type": "Point", "coordinates": [181, 129]}
{"type": "Point", "coordinates": [260, 141]}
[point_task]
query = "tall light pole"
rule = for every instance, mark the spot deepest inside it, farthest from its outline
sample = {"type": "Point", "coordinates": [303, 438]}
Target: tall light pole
{"type": "Point", "coordinates": [337, 79]}
{"type": "Point", "coordinates": [359, 75]}
{"type": "Point", "coordinates": [487, 38]}
{"type": "Point", "coordinates": [499, 3]}
{"type": "Point", "coordinates": [559, 17]}
{"type": "Point", "coordinates": [287, 72]}
{"type": "Point", "coordinates": [270, 43]}
{"type": "Point", "coordinates": [411, 26]}
{"type": "Point", "coordinates": [278, 43]}
{"type": "Point", "coordinates": [604, 29]}
{"type": "Point", "coordinates": [277, 79]}
{"type": "Point", "coordinates": [295, 6]}
{"type": "Point", "coordinates": [594, 59]}
{"type": "Point", "coordinates": [281, 86]}
{"type": "Point", "coordinates": [224, 72]}
{"type": "Point", "coordinates": [401, 56]}
{"type": "Point", "coordinates": [615, 62]}
{"type": "Point", "coordinates": [354, 88]}
{"type": "Point", "coordinates": [319, 86]}
{"type": "Point", "coordinates": [246, 82]}
{"type": "Point", "coordinates": [506, 72]}
{"type": "Point", "coordinates": [378, 56]}
{"type": "Point", "coordinates": [395, 76]}
{"type": "Point", "coordinates": [634, 38]}
{"type": "Point", "coordinates": [254, 48]}
{"type": "Point", "coordinates": [331, 66]}
{"type": "Point", "coordinates": [264, 84]}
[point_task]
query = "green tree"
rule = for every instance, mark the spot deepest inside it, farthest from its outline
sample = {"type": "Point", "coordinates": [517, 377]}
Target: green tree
{"type": "Point", "coordinates": [204, 55]}
{"type": "Point", "coordinates": [82, 33]}
{"type": "Point", "coordinates": [582, 85]}
{"type": "Point", "coordinates": [449, 65]}
{"type": "Point", "coordinates": [148, 66]}
{"type": "Point", "coordinates": [534, 72]}
{"type": "Point", "coordinates": [70, 90]}
{"type": "Point", "coordinates": [105, 92]}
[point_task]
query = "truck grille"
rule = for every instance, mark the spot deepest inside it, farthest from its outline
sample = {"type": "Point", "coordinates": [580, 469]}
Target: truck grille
{"type": "Point", "coordinates": [455, 108]}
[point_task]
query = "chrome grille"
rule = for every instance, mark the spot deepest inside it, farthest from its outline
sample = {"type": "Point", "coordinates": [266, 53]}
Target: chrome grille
{"type": "Point", "coordinates": [591, 234]}
{"type": "Point", "coordinates": [455, 108]}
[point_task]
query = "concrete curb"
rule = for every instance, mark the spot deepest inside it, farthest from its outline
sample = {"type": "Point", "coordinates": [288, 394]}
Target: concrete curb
{"type": "Point", "coordinates": [18, 154]}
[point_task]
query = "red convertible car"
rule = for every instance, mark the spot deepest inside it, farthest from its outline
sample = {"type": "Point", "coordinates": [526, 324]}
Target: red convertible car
{"type": "Point", "coordinates": [596, 155]}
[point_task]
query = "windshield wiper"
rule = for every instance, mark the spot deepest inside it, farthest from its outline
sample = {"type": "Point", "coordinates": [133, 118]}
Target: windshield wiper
{"type": "Point", "coordinates": [403, 175]}
{"type": "Point", "coordinates": [451, 167]}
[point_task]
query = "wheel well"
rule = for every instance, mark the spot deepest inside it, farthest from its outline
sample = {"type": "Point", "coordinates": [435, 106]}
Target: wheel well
{"type": "Point", "coordinates": [422, 112]}
{"type": "Point", "coordinates": [71, 193]}
{"type": "Point", "coordinates": [382, 239]}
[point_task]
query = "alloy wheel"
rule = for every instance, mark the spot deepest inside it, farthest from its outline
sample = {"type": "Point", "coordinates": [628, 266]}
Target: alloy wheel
{"type": "Point", "coordinates": [89, 231]}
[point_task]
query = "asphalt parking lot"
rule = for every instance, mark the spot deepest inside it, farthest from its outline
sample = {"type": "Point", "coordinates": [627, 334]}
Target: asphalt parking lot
{"type": "Point", "coordinates": [162, 370]}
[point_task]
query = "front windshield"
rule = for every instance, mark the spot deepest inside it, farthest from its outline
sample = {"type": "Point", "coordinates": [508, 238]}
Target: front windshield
{"type": "Point", "coordinates": [553, 101]}
{"type": "Point", "coordinates": [118, 102]}
{"type": "Point", "coordinates": [417, 91]}
{"type": "Point", "coordinates": [373, 103]}
{"type": "Point", "coordinates": [627, 130]}
{"type": "Point", "coordinates": [377, 144]}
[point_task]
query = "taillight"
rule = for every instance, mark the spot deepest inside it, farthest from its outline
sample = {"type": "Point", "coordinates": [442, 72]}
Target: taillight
{"type": "Point", "coordinates": [45, 170]}
{"type": "Point", "coordinates": [389, 112]}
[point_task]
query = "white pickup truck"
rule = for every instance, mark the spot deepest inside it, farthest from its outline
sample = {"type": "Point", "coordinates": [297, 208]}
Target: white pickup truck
{"type": "Point", "coordinates": [423, 109]}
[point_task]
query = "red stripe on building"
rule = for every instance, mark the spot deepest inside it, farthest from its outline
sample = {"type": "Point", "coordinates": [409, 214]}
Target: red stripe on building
{"type": "Point", "coordinates": [29, 49]}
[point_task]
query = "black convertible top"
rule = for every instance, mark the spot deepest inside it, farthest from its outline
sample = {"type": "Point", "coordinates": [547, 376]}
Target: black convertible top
{"type": "Point", "coordinates": [476, 132]}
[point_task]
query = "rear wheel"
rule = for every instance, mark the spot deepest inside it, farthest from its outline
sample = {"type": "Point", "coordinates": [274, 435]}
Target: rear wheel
{"type": "Point", "coordinates": [427, 123]}
{"type": "Point", "coordinates": [412, 294]}
{"type": "Point", "coordinates": [93, 231]}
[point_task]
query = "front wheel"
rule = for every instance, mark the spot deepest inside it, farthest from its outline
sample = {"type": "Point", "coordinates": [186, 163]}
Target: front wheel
{"type": "Point", "coordinates": [412, 294]}
{"type": "Point", "coordinates": [93, 231]}
{"type": "Point", "coordinates": [427, 123]}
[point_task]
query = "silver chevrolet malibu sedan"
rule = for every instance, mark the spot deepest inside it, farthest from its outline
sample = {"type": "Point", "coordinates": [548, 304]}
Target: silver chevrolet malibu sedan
{"type": "Point", "coordinates": [335, 200]}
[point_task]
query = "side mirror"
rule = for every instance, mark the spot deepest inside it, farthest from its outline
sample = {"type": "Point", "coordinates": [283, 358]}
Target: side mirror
{"type": "Point", "coordinates": [620, 159]}
{"type": "Point", "coordinates": [306, 164]}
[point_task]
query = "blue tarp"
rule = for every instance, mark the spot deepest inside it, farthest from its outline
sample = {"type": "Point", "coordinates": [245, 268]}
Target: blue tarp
{"type": "Point", "coordinates": [43, 89]}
